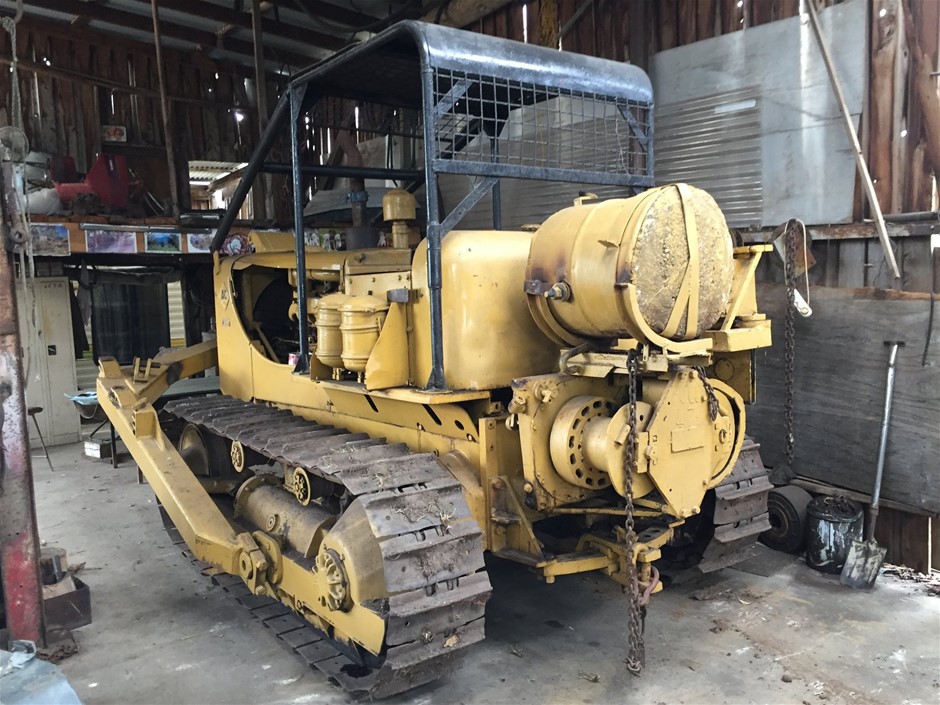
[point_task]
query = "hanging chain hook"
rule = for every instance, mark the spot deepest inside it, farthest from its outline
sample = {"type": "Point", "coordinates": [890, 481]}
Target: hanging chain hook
{"type": "Point", "coordinates": [635, 648]}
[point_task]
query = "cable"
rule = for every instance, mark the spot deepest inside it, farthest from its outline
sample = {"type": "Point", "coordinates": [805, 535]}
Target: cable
{"type": "Point", "coordinates": [933, 293]}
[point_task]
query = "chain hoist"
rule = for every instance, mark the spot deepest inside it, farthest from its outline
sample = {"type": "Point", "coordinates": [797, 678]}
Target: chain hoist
{"type": "Point", "coordinates": [635, 649]}
{"type": "Point", "coordinates": [789, 337]}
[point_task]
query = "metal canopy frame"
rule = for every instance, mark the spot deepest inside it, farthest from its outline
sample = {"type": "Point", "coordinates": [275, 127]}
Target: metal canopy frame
{"type": "Point", "coordinates": [483, 106]}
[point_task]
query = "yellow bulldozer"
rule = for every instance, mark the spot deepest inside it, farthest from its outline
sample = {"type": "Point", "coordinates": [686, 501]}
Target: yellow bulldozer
{"type": "Point", "coordinates": [570, 396]}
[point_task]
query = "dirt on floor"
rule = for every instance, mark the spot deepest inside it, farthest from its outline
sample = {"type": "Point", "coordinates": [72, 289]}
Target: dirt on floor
{"type": "Point", "coordinates": [772, 632]}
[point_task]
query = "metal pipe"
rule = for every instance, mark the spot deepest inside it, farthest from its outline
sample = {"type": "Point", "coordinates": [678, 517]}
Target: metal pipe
{"type": "Point", "coordinates": [883, 441]}
{"type": "Point", "coordinates": [434, 234]}
{"type": "Point", "coordinates": [261, 102]}
{"type": "Point", "coordinates": [165, 109]}
{"type": "Point", "coordinates": [19, 537]}
{"type": "Point", "coordinates": [349, 172]}
{"type": "Point", "coordinates": [497, 194]}
{"type": "Point", "coordinates": [270, 134]}
{"type": "Point", "coordinates": [300, 244]}
{"type": "Point", "coordinates": [860, 162]}
{"type": "Point", "coordinates": [915, 217]}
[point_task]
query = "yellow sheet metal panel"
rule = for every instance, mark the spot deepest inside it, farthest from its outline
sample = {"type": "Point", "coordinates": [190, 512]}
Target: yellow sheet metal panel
{"type": "Point", "coordinates": [489, 335]}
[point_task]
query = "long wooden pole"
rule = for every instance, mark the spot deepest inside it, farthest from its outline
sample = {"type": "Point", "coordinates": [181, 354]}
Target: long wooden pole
{"type": "Point", "coordinates": [165, 106]}
{"type": "Point", "coordinates": [853, 137]}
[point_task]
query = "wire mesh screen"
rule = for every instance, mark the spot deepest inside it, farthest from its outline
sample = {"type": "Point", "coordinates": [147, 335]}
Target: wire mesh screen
{"type": "Point", "coordinates": [367, 118]}
{"type": "Point", "coordinates": [497, 126]}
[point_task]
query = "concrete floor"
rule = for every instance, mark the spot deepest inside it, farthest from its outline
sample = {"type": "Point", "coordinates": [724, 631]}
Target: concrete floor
{"type": "Point", "coordinates": [162, 634]}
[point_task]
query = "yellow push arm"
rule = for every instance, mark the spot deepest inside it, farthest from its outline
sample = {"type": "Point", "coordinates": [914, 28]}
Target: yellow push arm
{"type": "Point", "coordinates": [204, 528]}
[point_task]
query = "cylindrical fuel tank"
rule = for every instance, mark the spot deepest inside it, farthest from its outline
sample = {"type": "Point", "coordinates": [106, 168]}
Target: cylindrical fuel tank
{"type": "Point", "coordinates": [616, 268]}
{"type": "Point", "coordinates": [361, 323]}
{"type": "Point", "coordinates": [329, 349]}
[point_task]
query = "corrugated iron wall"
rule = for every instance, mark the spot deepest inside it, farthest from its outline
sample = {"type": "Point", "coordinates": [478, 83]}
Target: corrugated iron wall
{"type": "Point", "coordinates": [893, 126]}
{"type": "Point", "coordinates": [718, 136]}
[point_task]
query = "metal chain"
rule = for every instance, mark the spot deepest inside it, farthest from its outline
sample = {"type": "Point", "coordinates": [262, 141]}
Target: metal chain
{"type": "Point", "coordinates": [636, 655]}
{"type": "Point", "coordinates": [709, 392]}
{"type": "Point", "coordinates": [789, 340]}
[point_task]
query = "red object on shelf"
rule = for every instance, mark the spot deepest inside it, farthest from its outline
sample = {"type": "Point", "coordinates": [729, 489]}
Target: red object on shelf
{"type": "Point", "coordinates": [108, 179]}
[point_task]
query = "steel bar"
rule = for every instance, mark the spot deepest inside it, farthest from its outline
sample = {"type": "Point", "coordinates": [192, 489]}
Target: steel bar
{"type": "Point", "coordinates": [883, 438]}
{"type": "Point", "coordinates": [513, 171]}
{"type": "Point", "coordinates": [347, 172]}
{"type": "Point", "coordinates": [300, 245]}
{"type": "Point", "coordinates": [436, 380]}
{"type": "Point", "coordinates": [566, 27]}
{"type": "Point", "coordinates": [467, 203]}
{"type": "Point", "coordinates": [165, 109]}
{"type": "Point", "coordinates": [270, 134]}
{"type": "Point", "coordinates": [19, 537]}
{"type": "Point", "coordinates": [497, 191]}
{"type": "Point", "coordinates": [860, 162]}
{"type": "Point", "coordinates": [260, 193]}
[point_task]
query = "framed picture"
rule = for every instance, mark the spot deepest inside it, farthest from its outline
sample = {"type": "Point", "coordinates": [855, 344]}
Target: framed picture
{"type": "Point", "coordinates": [110, 241]}
{"type": "Point", "coordinates": [162, 243]}
{"type": "Point", "coordinates": [50, 240]}
{"type": "Point", "coordinates": [198, 242]}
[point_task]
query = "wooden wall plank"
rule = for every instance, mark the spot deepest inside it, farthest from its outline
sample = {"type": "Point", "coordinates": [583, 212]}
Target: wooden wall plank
{"type": "Point", "coordinates": [907, 538]}
{"type": "Point", "coordinates": [706, 18]}
{"type": "Point", "coordinates": [668, 24]}
{"type": "Point", "coordinates": [64, 115]}
{"type": "Point", "coordinates": [852, 264]}
{"type": "Point", "coordinates": [730, 16]}
{"type": "Point", "coordinates": [687, 18]}
{"type": "Point", "coordinates": [840, 379]}
{"type": "Point", "coordinates": [935, 543]}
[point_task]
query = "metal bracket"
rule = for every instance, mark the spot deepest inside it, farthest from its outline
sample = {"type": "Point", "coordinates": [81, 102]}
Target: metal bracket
{"type": "Point", "coordinates": [468, 202]}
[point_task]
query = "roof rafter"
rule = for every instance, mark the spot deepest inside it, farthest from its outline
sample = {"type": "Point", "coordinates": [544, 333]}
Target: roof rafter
{"type": "Point", "coordinates": [131, 20]}
{"type": "Point", "coordinates": [230, 17]}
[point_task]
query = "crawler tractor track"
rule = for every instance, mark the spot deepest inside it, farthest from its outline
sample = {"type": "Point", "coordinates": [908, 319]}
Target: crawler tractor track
{"type": "Point", "coordinates": [431, 546]}
{"type": "Point", "coordinates": [740, 511]}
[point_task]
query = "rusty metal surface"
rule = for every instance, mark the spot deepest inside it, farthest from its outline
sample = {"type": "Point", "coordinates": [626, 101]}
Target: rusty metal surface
{"type": "Point", "coordinates": [19, 539]}
{"type": "Point", "coordinates": [432, 550]}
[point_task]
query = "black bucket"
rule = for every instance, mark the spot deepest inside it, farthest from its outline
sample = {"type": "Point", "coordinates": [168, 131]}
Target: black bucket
{"type": "Point", "coordinates": [832, 523]}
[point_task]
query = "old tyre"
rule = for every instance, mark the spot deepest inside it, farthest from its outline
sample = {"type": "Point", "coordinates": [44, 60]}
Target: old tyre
{"type": "Point", "coordinates": [787, 509]}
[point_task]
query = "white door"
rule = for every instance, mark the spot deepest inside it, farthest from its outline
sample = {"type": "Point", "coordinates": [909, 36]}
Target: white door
{"type": "Point", "coordinates": [45, 318]}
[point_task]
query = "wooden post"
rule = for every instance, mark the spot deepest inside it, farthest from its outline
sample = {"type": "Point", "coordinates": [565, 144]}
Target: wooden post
{"type": "Point", "coordinates": [165, 106]}
{"type": "Point", "coordinates": [853, 137]}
